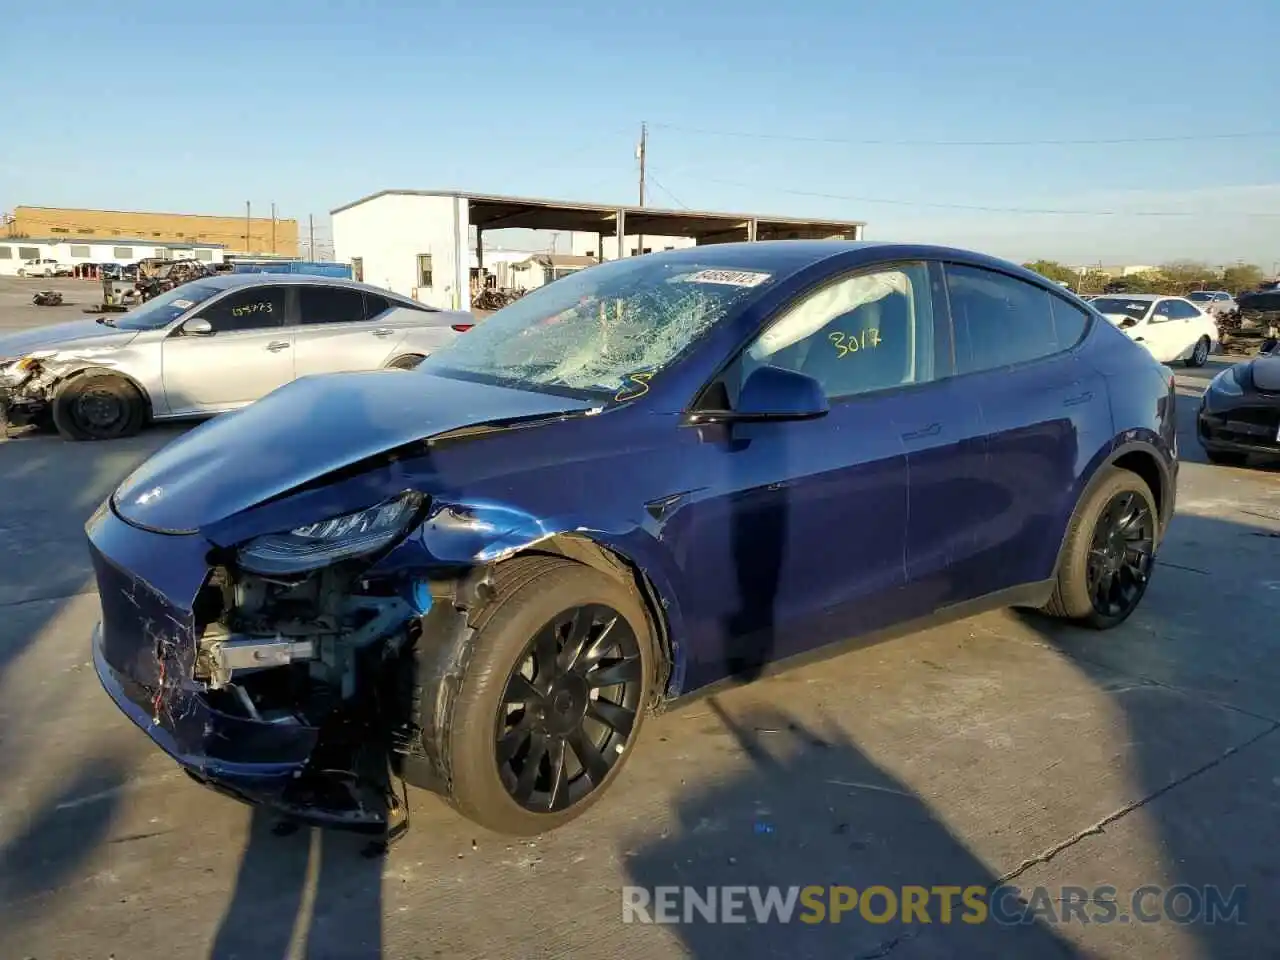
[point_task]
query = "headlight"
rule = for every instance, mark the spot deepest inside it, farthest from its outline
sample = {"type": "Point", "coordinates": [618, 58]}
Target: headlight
{"type": "Point", "coordinates": [1227, 383]}
{"type": "Point", "coordinates": [340, 538]}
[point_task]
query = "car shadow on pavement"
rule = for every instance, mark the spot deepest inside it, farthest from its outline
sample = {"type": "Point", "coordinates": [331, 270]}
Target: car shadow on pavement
{"type": "Point", "coordinates": [814, 809]}
{"type": "Point", "coordinates": [302, 893]}
{"type": "Point", "coordinates": [1192, 803]}
{"type": "Point", "coordinates": [51, 848]}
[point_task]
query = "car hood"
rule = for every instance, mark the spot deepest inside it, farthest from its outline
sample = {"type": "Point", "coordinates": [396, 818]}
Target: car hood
{"type": "Point", "coordinates": [63, 336]}
{"type": "Point", "coordinates": [304, 431]}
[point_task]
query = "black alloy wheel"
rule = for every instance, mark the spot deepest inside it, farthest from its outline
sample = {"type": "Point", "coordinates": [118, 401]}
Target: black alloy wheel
{"type": "Point", "coordinates": [1120, 555]}
{"type": "Point", "coordinates": [569, 708]}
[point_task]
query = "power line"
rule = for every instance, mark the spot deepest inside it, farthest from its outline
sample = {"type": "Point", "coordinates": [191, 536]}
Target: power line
{"type": "Point", "coordinates": [674, 199]}
{"type": "Point", "coordinates": [1087, 141]}
{"type": "Point", "coordinates": [986, 209]}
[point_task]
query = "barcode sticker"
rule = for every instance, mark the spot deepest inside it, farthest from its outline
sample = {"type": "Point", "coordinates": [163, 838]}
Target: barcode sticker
{"type": "Point", "coordinates": [730, 278]}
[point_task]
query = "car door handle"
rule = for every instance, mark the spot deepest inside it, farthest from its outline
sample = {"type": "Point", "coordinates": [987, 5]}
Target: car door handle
{"type": "Point", "coordinates": [276, 345]}
{"type": "Point", "coordinates": [1138, 340]}
{"type": "Point", "coordinates": [382, 332]}
{"type": "Point", "coordinates": [932, 430]}
{"type": "Point", "coordinates": [1078, 399]}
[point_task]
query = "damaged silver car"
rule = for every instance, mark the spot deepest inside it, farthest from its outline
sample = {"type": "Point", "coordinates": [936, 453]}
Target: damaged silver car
{"type": "Point", "coordinates": [207, 347]}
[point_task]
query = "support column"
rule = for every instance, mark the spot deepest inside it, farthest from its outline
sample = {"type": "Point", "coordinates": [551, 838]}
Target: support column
{"type": "Point", "coordinates": [753, 226]}
{"type": "Point", "coordinates": [599, 247]}
{"type": "Point", "coordinates": [622, 233]}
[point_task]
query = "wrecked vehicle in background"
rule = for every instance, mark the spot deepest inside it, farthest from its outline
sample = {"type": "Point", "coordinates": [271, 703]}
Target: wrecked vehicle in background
{"type": "Point", "coordinates": [649, 476]}
{"type": "Point", "coordinates": [206, 347]}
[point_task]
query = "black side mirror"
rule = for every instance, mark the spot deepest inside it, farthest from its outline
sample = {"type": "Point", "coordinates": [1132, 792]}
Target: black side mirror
{"type": "Point", "coordinates": [772, 394]}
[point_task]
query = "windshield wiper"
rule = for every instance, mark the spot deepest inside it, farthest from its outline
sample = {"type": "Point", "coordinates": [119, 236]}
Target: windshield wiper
{"type": "Point", "coordinates": [106, 321]}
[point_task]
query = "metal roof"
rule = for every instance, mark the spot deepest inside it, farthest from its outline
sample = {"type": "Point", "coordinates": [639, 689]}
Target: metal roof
{"type": "Point", "coordinates": [602, 212]}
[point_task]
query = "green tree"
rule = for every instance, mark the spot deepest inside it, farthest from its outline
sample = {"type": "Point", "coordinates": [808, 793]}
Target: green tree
{"type": "Point", "coordinates": [1183, 276]}
{"type": "Point", "coordinates": [1054, 271]}
{"type": "Point", "coordinates": [1241, 277]}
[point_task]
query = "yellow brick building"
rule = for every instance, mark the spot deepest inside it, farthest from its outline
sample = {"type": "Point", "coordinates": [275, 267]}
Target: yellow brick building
{"type": "Point", "coordinates": [264, 235]}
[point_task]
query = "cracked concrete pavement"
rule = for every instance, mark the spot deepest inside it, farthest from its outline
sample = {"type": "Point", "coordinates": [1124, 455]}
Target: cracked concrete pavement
{"type": "Point", "coordinates": [1001, 749]}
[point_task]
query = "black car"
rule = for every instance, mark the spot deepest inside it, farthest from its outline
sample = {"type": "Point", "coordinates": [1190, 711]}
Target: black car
{"type": "Point", "coordinates": [1240, 412]}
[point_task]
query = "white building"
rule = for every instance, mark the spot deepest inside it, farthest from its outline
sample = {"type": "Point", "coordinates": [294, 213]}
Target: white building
{"type": "Point", "coordinates": [426, 243]}
{"type": "Point", "coordinates": [542, 268]}
{"type": "Point", "coordinates": [606, 248]}
{"type": "Point", "coordinates": [16, 251]}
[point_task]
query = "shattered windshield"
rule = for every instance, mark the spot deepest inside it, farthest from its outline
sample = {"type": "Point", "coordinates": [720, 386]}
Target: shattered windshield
{"type": "Point", "coordinates": [600, 330]}
{"type": "Point", "coordinates": [167, 307]}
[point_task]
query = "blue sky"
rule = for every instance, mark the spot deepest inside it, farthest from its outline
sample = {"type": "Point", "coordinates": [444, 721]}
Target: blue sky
{"type": "Point", "coordinates": [312, 104]}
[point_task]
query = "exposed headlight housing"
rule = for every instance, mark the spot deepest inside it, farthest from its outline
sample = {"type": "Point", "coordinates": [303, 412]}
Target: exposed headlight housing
{"type": "Point", "coordinates": [319, 544]}
{"type": "Point", "coordinates": [1227, 383]}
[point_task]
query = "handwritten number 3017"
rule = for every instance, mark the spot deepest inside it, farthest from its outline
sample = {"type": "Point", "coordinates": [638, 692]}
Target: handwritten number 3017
{"type": "Point", "coordinates": [847, 343]}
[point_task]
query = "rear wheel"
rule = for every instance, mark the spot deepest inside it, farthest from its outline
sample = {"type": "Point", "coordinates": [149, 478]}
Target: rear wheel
{"type": "Point", "coordinates": [1227, 458]}
{"type": "Point", "coordinates": [98, 406]}
{"type": "Point", "coordinates": [408, 362]}
{"type": "Point", "coordinates": [1109, 553]}
{"type": "Point", "coordinates": [1199, 354]}
{"type": "Point", "coordinates": [552, 698]}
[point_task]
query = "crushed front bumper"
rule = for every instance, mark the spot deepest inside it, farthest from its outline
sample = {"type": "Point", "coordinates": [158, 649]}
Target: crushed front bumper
{"type": "Point", "coordinates": [143, 650]}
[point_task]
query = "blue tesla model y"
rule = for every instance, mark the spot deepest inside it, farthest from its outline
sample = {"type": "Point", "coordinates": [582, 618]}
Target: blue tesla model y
{"type": "Point", "coordinates": [651, 476]}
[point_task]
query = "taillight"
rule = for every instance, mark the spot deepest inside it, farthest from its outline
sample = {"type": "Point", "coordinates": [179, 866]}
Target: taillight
{"type": "Point", "coordinates": [463, 327]}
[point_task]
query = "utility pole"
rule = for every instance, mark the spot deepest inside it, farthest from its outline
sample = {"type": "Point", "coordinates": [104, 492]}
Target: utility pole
{"type": "Point", "coordinates": [273, 228]}
{"type": "Point", "coordinates": [247, 209]}
{"type": "Point", "coordinates": [311, 233]}
{"type": "Point", "coordinates": [641, 152]}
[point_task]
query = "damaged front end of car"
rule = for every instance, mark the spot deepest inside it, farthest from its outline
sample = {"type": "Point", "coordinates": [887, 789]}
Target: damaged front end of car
{"type": "Point", "coordinates": [299, 670]}
{"type": "Point", "coordinates": [26, 390]}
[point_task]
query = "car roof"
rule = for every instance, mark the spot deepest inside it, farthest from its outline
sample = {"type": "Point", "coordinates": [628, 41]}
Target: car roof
{"type": "Point", "coordinates": [1140, 297]}
{"type": "Point", "coordinates": [229, 281]}
{"type": "Point", "coordinates": [785, 256]}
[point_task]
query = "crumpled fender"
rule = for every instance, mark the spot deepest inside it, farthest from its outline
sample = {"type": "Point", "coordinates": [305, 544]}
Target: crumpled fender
{"type": "Point", "coordinates": [462, 534]}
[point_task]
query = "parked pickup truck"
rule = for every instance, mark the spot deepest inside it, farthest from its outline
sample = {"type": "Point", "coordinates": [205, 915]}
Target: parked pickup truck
{"type": "Point", "coordinates": [46, 267]}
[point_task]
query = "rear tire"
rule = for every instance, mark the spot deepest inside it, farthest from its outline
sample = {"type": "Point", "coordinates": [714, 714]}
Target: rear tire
{"type": "Point", "coordinates": [98, 406]}
{"type": "Point", "coordinates": [1109, 553]}
{"type": "Point", "coordinates": [1199, 353]}
{"type": "Point", "coordinates": [408, 362]}
{"type": "Point", "coordinates": [1227, 458]}
{"type": "Point", "coordinates": [552, 699]}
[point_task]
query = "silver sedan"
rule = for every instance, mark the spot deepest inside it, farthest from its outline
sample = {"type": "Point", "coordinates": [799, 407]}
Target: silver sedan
{"type": "Point", "coordinates": [207, 347]}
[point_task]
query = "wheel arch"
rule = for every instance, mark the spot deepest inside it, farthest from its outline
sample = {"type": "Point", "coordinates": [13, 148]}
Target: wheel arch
{"type": "Point", "coordinates": [1139, 457]}
{"type": "Point", "coordinates": [582, 548]}
{"type": "Point", "coordinates": [74, 373]}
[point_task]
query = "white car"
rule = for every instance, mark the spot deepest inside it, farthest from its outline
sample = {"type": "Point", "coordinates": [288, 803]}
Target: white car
{"type": "Point", "coordinates": [43, 267]}
{"type": "Point", "coordinates": [1172, 328]}
{"type": "Point", "coordinates": [1217, 302]}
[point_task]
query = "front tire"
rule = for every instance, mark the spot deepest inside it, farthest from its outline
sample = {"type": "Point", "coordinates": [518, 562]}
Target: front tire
{"type": "Point", "coordinates": [552, 699]}
{"type": "Point", "coordinates": [1109, 553]}
{"type": "Point", "coordinates": [1199, 353]}
{"type": "Point", "coordinates": [98, 406]}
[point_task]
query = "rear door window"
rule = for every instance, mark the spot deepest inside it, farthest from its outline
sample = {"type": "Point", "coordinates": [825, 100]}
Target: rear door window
{"type": "Point", "coordinates": [318, 304]}
{"type": "Point", "coordinates": [375, 305]}
{"type": "Point", "coordinates": [1000, 320]}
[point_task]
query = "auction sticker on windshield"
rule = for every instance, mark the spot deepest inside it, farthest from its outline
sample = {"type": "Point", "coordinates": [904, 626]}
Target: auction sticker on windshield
{"type": "Point", "coordinates": [731, 278]}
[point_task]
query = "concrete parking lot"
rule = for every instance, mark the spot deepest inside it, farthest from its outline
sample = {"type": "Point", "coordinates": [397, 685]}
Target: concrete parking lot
{"type": "Point", "coordinates": [1002, 748]}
